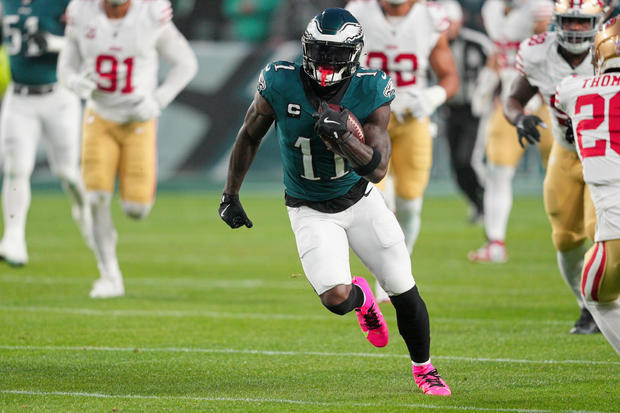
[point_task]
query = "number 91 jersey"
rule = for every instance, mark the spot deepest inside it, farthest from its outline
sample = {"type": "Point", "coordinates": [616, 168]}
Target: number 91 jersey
{"type": "Point", "coordinates": [311, 171]}
{"type": "Point", "coordinates": [121, 53]}
{"type": "Point", "coordinates": [401, 49]}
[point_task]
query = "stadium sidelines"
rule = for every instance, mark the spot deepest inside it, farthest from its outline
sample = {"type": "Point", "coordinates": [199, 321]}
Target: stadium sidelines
{"type": "Point", "coordinates": [251, 316]}
{"type": "Point", "coordinates": [293, 353]}
{"type": "Point", "coordinates": [280, 401]}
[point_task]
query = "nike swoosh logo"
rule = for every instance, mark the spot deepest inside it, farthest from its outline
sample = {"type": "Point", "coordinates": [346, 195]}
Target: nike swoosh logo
{"type": "Point", "coordinates": [224, 210]}
{"type": "Point", "coordinates": [326, 120]}
{"type": "Point", "coordinates": [367, 193]}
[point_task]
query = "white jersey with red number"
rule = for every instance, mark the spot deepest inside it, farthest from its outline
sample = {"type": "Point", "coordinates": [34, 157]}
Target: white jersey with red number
{"type": "Point", "coordinates": [593, 104]}
{"type": "Point", "coordinates": [540, 62]}
{"type": "Point", "coordinates": [400, 46]}
{"type": "Point", "coordinates": [508, 29]}
{"type": "Point", "coordinates": [121, 53]}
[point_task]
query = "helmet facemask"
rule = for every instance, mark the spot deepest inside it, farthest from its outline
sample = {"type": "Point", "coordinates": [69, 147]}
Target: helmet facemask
{"type": "Point", "coordinates": [329, 63]}
{"type": "Point", "coordinates": [582, 13]}
{"type": "Point", "coordinates": [332, 45]}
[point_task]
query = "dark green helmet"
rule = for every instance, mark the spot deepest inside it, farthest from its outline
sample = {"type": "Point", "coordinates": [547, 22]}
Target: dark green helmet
{"type": "Point", "coordinates": [332, 45]}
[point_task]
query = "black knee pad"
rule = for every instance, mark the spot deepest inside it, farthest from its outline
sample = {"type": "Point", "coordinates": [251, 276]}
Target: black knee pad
{"type": "Point", "coordinates": [355, 299]}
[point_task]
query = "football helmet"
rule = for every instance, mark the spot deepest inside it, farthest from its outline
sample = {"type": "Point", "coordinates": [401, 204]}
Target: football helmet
{"type": "Point", "coordinates": [565, 11]}
{"type": "Point", "coordinates": [332, 45]}
{"type": "Point", "coordinates": [606, 47]}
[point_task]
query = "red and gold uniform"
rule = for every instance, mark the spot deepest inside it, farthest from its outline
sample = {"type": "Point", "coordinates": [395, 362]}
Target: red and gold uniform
{"type": "Point", "coordinates": [111, 59]}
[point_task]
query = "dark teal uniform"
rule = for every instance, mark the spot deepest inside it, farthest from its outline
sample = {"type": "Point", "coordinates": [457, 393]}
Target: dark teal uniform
{"type": "Point", "coordinates": [311, 171]}
{"type": "Point", "coordinates": [21, 18]}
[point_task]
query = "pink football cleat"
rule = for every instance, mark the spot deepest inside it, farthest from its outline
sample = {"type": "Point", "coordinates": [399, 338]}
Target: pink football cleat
{"type": "Point", "coordinates": [429, 381]}
{"type": "Point", "coordinates": [493, 251]}
{"type": "Point", "coordinates": [370, 318]}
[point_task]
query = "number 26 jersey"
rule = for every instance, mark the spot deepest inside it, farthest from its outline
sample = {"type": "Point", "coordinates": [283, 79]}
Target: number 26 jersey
{"type": "Point", "coordinates": [121, 54]}
{"type": "Point", "coordinates": [593, 104]}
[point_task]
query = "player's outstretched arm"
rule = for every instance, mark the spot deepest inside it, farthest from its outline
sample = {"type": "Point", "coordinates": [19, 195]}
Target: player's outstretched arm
{"type": "Point", "coordinates": [257, 122]}
{"type": "Point", "coordinates": [521, 91]}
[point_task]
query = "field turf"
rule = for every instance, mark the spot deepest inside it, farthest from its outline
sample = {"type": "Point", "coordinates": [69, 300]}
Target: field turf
{"type": "Point", "coordinates": [222, 320]}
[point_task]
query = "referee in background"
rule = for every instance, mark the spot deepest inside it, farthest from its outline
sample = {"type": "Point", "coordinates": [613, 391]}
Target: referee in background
{"type": "Point", "coordinates": [470, 49]}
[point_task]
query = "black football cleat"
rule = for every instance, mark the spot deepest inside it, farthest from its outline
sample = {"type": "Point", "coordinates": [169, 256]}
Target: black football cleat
{"type": "Point", "coordinates": [585, 324]}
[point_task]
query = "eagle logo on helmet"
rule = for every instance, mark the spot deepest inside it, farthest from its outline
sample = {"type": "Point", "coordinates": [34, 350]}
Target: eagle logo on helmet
{"type": "Point", "coordinates": [332, 44]}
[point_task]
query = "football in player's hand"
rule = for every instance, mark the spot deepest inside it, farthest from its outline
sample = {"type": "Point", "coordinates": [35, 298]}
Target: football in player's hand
{"type": "Point", "coordinates": [353, 124]}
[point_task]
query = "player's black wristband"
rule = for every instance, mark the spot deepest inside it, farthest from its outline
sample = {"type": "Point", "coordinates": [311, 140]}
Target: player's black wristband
{"type": "Point", "coordinates": [370, 166]}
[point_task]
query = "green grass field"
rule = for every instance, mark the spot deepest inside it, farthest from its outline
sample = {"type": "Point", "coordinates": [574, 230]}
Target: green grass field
{"type": "Point", "coordinates": [223, 320]}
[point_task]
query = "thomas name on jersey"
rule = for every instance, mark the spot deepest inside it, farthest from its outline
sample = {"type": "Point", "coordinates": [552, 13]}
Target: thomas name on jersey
{"type": "Point", "coordinates": [601, 81]}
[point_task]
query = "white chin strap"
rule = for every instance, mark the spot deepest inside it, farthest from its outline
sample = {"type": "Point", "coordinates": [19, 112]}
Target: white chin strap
{"type": "Point", "coordinates": [117, 2]}
{"type": "Point", "coordinates": [397, 1]}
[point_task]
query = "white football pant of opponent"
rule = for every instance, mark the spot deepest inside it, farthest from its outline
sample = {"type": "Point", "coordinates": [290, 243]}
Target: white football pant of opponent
{"type": "Point", "coordinates": [54, 116]}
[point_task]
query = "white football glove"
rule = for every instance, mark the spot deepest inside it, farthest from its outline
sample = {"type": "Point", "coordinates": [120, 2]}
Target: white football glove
{"type": "Point", "coordinates": [83, 84]}
{"type": "Point", "coordinates": [146, 109]}
{"type": "Point", "coordinates": [419, 103]}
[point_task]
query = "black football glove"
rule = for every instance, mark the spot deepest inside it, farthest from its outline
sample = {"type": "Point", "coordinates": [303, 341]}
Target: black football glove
{"type": "Point", "coordinates": [331, 125]}
{"type": "Point", "coordinates": [527, 128]}
{"type": "Point", "coordinates": [232, 212]}
{"type": "Point", "coordinates": [36, 44]}
{"type": "Point", "coordinates": [570, 135]}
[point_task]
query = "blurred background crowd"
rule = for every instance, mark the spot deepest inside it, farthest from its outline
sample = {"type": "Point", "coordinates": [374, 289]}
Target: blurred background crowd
{"type": "Point", "coordinates": [259, 21]}
{"type": "Point", "coordinates": [234, 40]}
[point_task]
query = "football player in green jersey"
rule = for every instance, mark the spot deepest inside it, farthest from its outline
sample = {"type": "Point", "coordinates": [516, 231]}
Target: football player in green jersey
{"type": "Point", "coordinates": [331, 203]}
{"type": "Point", "coordinates": [36, 106]}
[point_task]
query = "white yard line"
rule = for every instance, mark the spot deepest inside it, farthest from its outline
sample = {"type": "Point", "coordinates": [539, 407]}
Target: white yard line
{"type": "Point", "coordinates": [160, 313]}
{"type": "Point", "coordinates": [294, 353]}
{"type": "Point", "coordinates": [268, 400]}
{"type": "Point", "coordinates": [285, 282]}
{"type": "Point", "coordinates": [253, 316]}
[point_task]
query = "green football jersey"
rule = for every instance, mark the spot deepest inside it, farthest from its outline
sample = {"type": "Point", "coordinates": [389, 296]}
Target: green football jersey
{"type": "Point", "coordinates": [21, 18]}
{"type": "Point", "coordinates": [311, 171]}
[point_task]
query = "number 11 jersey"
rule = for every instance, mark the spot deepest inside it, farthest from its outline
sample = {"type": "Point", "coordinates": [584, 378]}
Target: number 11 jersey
{"type": "Point", "coordinates": [121, 54]}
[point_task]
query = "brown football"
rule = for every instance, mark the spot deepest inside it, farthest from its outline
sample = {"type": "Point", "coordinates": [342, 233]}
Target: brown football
{"type": "Point", "coordinates": [353, 124]}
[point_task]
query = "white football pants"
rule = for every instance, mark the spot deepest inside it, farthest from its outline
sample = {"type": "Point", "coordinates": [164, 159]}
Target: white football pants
{"type": "Point", "coordinates": [54, 116]}
{"type": "Point", "coordinates": [497, 200]}
{"type": "Point", "coordinates": [372, 232]}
